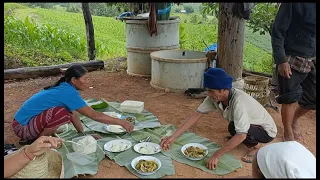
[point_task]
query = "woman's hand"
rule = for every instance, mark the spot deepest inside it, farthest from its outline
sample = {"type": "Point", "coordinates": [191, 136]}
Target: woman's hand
{"type": "Point", "coordinates": [126, 125]}
{"type": "Point", "coordinates": [41, 145]}
{"type": "Point", "coordinates": [96, 136]}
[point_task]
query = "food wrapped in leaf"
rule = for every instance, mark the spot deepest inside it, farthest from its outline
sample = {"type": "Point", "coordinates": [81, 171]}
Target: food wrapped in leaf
{"type": "Point", "coordinates": [98, 105]}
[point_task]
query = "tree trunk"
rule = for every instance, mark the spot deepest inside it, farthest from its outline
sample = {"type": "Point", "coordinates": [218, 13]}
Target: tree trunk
{"type": "Point", "coordinates": [42, 71]}
{"type": "Point", "coordinates": [89, 31]}
{"type": "Point", "coordinates": [230, 41]}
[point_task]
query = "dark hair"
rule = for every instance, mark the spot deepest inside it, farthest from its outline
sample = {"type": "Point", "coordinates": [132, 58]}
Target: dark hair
{"type": "Point", "coordinates": [76, 71]}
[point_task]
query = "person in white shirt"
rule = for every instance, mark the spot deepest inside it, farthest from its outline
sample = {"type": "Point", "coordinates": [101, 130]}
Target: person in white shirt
{"type": "Point", "coordinates": [249, 121]}
{"type": "Point", "coordinates": [286, 160]}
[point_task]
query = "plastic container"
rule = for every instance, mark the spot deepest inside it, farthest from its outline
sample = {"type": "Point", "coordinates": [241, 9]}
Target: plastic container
{"type": "Point", "coordinates": [88, 148]}
{"type": "Point", "coordinates": [132, 106]}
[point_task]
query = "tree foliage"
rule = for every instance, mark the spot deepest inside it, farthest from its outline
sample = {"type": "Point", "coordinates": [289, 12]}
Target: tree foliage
{"type": "Point", "coordinates": [194, 19]}
{"type": "Point", "coordinates": [211, 9]}
{"type": "Point", "coordinates": [189, 9]}
{"type": "Point", "coordinates": [261, 18]}
{"type": "Point", "coordinates": [72, 7]}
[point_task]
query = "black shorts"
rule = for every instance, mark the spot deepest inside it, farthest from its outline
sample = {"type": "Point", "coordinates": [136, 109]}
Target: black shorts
{"type": "Point", "coordinates": [301, 88]}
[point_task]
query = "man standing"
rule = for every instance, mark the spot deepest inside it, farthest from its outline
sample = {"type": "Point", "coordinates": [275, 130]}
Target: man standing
{"type": "Point", "coordinates": [249, 121]}
{"type": "Point", "coordinates": [294, 49]}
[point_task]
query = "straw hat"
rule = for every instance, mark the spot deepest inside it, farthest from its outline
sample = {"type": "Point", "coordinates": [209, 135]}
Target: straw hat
{"type": "Point", "coordinates": [47, 165]}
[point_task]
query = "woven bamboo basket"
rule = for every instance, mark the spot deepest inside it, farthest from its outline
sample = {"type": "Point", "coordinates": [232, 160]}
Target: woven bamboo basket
{"type": "Point", "coordinates": [258, 88]}
{"type": "Point", "coordinates": [47, 165]}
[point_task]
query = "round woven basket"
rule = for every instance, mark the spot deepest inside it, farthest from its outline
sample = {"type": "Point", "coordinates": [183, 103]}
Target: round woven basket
{"type": "Point", "coordinates": [47, 165]}
{"type": "Point", "coordinates": [258, 88]}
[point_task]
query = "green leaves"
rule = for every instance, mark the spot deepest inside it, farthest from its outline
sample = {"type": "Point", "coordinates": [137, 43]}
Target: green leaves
{"type": "Point", "coordinates": [210, 9]}
{"type": "Point", "coordinates": [45, 37]}
{"type": "Point", "coordinates": [262, 17]}
{"type": "Point", "coordinates": [183, 35]}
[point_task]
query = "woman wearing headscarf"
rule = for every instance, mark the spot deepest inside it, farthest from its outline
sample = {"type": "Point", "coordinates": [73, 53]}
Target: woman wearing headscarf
{"type": "Point", "coordinates": [287, 159]}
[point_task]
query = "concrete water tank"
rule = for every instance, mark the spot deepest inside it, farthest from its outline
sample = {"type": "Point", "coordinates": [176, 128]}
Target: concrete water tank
{"type": "Point", "coordinates": [178, 70]}
{"type": "Point", "coordinates": [140, 44]}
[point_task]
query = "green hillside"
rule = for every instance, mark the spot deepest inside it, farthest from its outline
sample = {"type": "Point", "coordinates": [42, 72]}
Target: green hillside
{"type": "Point", "coordinates": [49, 43]}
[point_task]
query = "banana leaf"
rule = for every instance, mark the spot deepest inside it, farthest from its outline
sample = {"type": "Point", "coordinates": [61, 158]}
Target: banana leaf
{"type": "Point", "coordinates": [102, 104]}
{"type": "Point", "coordinates": [144, 119]}
{"type": "Point", "coordinates": [73, 169]}
{"type": "Point", "coordinates": [227, 163]}
{"type": "Point", "coordinates": [125, 158]}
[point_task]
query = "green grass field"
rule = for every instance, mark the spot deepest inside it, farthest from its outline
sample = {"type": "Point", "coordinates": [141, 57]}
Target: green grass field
{"type": "Point", "coordinates": [110, 37]}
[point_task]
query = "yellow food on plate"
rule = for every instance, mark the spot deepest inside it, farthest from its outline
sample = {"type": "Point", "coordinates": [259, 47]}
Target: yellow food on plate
{"type": "Point", "coordinates": [146, 166]}
{"type": "Point", "coordinates": [130, 119]}
{"type": "Point", "coordinates": [194, 152]}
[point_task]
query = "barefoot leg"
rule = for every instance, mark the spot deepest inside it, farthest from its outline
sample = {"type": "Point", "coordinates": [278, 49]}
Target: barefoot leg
{"type": "Point", "coordinates": [287, 113]}
{"type": "Point", "coordinates": [295, 124]}
{"type": "Point", "coordinates": [250, 155]}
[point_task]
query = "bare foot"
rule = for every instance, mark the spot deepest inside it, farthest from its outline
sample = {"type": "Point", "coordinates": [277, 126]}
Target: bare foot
{"type": "Point", "coordinates": [299, 138]}
{"type": "Point", "coordinates": [250, 155]}
{"type": "Point", "coordinates": [288, 137]}
{"type": "Point", "coordinates": [296, 132]}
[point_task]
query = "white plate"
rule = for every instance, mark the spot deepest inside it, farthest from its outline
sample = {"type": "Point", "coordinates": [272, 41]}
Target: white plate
{"type": "Point", "coordinates": [135, 161]}
{"type": "Point", "coordinates": [114, 128]}
{"type": "Point", "coordinates": [194, 145]}
{"type": "Point", "coordinates": [147, 148]}
{"type": "Point", "coordinates": [122, 143]}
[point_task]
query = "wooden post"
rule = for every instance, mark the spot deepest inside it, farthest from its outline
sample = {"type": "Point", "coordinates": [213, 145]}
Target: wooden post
{"type": "Point", "coordinates": [89, 31]}
{"type": "Point", "coordinates": [230, 41]}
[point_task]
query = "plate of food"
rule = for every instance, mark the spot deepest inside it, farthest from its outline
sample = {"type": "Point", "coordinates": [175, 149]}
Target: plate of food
{"type": "Point", "coordinates": [117, 129]}
{"type": "Point", "coordinates": [194, 151]}
{"type": "Point", "coordinates": [146, 165]}
{"type": "Point", "coordinates": [131, 119]}
{"type": "Point", "coordinates": [117, 145]}
{"type": "Point", "coordinates": [147, 148]}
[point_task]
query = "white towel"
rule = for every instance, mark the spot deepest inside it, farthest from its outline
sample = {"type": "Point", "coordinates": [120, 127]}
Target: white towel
{"type": "Point", "coordinates": [286, 160]}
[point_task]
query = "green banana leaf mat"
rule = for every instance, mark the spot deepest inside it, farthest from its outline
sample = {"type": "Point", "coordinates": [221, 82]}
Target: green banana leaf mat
{"type": "Point", "coordinates": [227, 163]}
{"type": "Point", "coordinates": [149, 125]}
{"type": "Point", "coordinates": [125, 158]}
{"type": "Point", "coordinates": [144, 119]}
{"type": "Point", "coordinates": [73, 169]}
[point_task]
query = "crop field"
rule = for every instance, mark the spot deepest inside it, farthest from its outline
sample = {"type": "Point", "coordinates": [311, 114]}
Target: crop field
{"type": "Point", "coordinates": [37, 36]}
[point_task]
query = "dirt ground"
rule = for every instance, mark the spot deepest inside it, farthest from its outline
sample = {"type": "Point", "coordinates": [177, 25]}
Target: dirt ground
{"type": "Point", "coordinates": [168, 107]}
